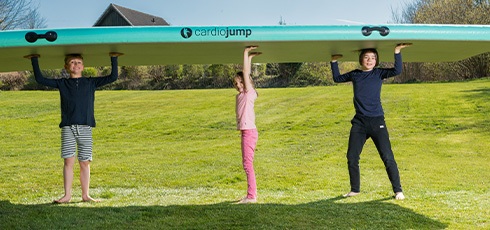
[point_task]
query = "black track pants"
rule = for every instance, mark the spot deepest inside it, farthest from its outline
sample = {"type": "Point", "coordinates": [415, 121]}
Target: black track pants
{"type": "Point", "coordinates": [374, 128]}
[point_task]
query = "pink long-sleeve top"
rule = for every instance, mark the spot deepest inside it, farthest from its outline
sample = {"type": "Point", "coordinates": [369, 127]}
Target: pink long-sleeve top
{"type": "Point", "coordinates": [245, 114]}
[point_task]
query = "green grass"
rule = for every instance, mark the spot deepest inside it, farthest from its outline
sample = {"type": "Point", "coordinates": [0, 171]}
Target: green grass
{"type": "Point", "coordinates": [171, 160]}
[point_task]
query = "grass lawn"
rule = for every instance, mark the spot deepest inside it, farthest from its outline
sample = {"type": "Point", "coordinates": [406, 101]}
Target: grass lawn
{"type": "Point", "coordinates": [172, 160]}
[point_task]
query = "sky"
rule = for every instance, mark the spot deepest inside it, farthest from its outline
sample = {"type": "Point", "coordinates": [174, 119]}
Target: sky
{"type": "Point", "coordinates": [84, 13]}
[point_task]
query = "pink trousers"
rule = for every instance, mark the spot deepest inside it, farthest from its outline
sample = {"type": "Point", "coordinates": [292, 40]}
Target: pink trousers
{"type": "Point", "coordinates": [249, 142]}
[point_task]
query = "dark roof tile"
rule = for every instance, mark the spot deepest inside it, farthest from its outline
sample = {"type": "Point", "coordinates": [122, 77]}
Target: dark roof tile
{"type": "Point", "coordinates": [133, 17]}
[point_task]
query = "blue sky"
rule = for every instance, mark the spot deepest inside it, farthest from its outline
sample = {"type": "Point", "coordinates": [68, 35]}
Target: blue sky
{"type": "Point", "coordinates": [84, 13]}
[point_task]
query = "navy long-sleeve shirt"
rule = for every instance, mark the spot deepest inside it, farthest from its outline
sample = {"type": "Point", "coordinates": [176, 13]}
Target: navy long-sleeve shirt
{"type": "Point", "coordinates": [367, 86]}
{"type": "Point", "coordinates": [77, 95]}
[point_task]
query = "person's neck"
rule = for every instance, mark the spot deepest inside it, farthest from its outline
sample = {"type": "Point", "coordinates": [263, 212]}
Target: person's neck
{"type": "Point", "coordinates": [75, 76]}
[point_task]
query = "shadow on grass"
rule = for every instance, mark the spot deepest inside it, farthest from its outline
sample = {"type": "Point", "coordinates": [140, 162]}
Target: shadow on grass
{"type": "Point", "coordinates": [323, 214]}
{"type": "Point", "coordinates": [480, 96]}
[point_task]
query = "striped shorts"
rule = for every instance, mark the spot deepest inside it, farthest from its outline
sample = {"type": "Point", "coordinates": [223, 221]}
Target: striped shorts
{"type": "Point", "coordinates": [73, 136]}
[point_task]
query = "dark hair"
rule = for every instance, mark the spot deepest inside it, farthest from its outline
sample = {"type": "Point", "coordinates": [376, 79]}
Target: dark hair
{"type": "Point", "coordinates": [68, 57]}
{"type": "Point", "coordinates": [371, 50]}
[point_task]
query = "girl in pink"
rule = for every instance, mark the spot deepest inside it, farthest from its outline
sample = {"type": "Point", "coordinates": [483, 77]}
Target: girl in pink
{"type": "Point", "coordinates": [245, 117]}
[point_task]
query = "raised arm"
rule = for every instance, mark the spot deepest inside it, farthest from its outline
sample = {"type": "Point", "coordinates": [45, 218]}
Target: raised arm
{"type": "Point", "coordinates": [100, 81]}
{"type": "Point", "coordinates": [334, 66]}
{"type": "Point", "coordinates": [247, 66]}
{"type": "Point", "coordinates": [400, 46]}
{"type": "Point", "coordinates": [398, 65]}
{"type": "Point", "coordinates": [114, 71]}
{"type": "Point", "coordinates": [40, 79]}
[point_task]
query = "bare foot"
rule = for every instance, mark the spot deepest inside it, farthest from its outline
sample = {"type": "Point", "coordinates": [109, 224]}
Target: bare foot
{"type": "Point", "coordinates": [90, 199]}
{"type": "Point", "coordinates": [399, 196]}
{"type": "Point", "coordinates": [246, 200]}
{"type": "Point", "coordinates": [62, 200]}
{"type": "Point", "coordinates": [351, 194]}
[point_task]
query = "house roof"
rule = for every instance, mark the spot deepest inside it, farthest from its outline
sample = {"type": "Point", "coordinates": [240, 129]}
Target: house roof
{"type": "Point", "coordinates": [132, 17]}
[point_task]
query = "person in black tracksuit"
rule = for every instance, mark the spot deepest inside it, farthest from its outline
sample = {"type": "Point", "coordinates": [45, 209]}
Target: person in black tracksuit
{"type": "Point", "coordinates": [369, 121]}
{"type": "Point", "coordinates": [77, 96]}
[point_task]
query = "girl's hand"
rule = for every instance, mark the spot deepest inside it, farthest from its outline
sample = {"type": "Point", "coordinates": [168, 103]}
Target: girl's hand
{"type": "Point", "coordinates": [253, 54]}
{"type": "Point", "coordinates": [249, 48]}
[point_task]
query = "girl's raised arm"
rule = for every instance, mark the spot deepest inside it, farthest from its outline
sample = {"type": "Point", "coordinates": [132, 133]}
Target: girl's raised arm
{"type": "Point", "coordinates": [247, 66]}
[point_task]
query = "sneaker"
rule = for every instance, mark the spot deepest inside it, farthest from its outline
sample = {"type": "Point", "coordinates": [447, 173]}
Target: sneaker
{"type": "Point", "coordinates": [399, 196]}
{"type": "Point", "coordinates": [246, 200]}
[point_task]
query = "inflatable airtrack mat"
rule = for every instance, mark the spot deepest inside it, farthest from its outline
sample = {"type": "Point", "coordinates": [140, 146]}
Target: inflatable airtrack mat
{"type": "Point", "coordinates": [161, 45]}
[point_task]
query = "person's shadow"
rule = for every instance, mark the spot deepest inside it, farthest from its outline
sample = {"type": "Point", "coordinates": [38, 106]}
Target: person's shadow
{"type": "Point", "coordinates": [322, 214]}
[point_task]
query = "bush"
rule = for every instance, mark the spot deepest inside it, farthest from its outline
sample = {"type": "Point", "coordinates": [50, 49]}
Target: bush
{"type": "Point", "coordinates": [13, 80]}
{"type": "Point", "coordinates": [312, 74]}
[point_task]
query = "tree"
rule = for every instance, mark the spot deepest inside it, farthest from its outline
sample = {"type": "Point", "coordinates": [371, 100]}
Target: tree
{"type": "Point", "coordinates": [447, 12]}
{"type": "Point", "coordinates": [19, 14]}
{"type": "Point", "coordinates": [453, 12]}
{"type": "Point", "coordinates": [34, 20]}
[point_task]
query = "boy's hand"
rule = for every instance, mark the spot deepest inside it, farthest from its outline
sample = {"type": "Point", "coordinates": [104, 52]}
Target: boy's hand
{"type": "Point", "coordinates": [32, 55]}
{"type": "Point", "coordinates": [336, 57]}
{"type": "Point", "coordinates": [115, 54]}
{"type": "Point", "coordinates": [400, 46]}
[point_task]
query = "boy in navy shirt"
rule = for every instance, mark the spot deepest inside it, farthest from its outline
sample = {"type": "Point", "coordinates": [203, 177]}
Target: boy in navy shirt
{"type": "Point", "coordinates": [369, 120]}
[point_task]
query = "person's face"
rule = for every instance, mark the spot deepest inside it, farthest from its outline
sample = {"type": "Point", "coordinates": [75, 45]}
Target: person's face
{"type": "Point", "coordinates": [238, 83]}
{"type": "Point", "coordinates": [74, 66]}
{"type": "Point", "coordinates": [369, 61]}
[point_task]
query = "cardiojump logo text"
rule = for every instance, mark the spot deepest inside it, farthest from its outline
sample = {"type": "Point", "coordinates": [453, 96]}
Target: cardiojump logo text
{"type": "Point", "coordinates": [227, 32]}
